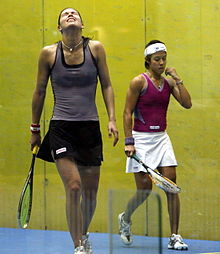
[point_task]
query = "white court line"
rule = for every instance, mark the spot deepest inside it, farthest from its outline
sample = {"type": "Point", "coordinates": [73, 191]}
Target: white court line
{"type": "Point", "coordinates": [211, 253]}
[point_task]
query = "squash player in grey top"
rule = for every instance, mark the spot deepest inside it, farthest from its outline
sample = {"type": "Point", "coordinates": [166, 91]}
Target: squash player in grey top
{"type": "Point", "coordinates": [74, 140]}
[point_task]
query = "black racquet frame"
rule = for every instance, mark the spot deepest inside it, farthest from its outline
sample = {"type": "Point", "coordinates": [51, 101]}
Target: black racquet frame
{"type": "Point", "coordinates": [165, 183]}
{"type": "Point", "coordinates": [28, 182]}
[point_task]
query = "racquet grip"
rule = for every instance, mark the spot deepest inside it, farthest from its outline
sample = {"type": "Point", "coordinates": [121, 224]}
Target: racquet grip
{"type": "Point", "coordinates": [134, 156]}
{"type": "Point", "coordinates": [35, 150]}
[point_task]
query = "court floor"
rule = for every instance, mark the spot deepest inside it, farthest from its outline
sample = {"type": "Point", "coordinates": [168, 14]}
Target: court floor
{"type": "Point", "coordinates": [19, 241]}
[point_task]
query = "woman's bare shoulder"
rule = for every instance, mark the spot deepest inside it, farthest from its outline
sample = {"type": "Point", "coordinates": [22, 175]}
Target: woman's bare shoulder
{"type": "Point", "coordinates": [138, 82]}
{"type": "Point", "coordinates": [49, 49]}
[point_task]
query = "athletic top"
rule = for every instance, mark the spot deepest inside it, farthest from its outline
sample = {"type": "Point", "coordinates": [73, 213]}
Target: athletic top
{"type": "Point", "coordinates": [74, 87]}
{"type": "Point", "coordinates": [151, 108]}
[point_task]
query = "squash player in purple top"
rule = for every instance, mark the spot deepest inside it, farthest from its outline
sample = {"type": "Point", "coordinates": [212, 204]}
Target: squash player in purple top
{"type": "Point", "coordinates": [74, 140]}
{"type": "Point", "coordinates": [148, 99]}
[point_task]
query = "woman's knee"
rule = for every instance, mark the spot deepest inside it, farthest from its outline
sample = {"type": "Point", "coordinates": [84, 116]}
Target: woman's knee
{"type": "Point", "coordinates": [143, 182]}
{"type": "Point", "coordinates": [74, 186]}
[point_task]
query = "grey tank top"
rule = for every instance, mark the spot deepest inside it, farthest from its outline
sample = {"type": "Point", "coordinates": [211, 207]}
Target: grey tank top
{"type": "Point", "coordinates": [74, 87]}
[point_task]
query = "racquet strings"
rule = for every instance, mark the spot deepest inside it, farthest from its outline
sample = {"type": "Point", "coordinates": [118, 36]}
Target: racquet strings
{"type": "Point", "coordinates": [159, 180]}
{"type": "Point", "coordinates": [25, 206]}
{"type": "Point", "coordinates": [164, 183]}
{"type": "Point", "coordinates": [25, 203]}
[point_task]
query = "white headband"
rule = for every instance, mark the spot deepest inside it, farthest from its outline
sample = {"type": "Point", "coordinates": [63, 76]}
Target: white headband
{"type": "Point", "coordinates": [153, 48]}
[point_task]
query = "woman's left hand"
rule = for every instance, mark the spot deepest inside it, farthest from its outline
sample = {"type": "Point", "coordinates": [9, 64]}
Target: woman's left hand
{"type": "Point", "coordinates": [112, 129]}
{"type": "Point", "coordinates": [172, 72]}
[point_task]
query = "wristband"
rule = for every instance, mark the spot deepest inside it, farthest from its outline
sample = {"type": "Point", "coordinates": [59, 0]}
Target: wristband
{"type": "Point", "coordinates": [180, 82]}
{"type": "Point", "coordinates": [35, 128]}
{"type": "Point", "coordinates": [129, 141]}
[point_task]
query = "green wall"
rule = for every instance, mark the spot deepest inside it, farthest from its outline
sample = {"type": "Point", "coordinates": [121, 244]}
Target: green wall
{"type": "Point", "coordinates": [190, 30]}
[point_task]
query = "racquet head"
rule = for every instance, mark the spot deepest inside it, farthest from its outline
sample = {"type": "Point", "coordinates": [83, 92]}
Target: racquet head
{"type": "Point", "coordinates": [25, 202]}
{"type": "Point", "coordinates": [158, 179]}
{"type": "Point", "coordinates": [24, 207]}
{"type": "Point", "coordinates": [163, 182]}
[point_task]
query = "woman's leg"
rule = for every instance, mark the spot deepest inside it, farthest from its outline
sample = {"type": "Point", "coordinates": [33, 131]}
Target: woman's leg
{"type": "Point", "coordinates": [144, 186]}
{"type": "Point", "coordinates": [90, 181]}
{"type": "Point", "coordinates": [71, 179]}
{"type": "Point", "coordinates": [173, 201]}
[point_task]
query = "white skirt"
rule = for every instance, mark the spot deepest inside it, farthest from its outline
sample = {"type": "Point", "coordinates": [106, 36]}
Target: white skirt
{"type": "Point", "coordinates": [154, 149]}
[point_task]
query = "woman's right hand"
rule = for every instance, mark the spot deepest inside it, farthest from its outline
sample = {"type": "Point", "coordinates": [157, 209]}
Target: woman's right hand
{"type": "Point", "coordinates": [129, 150]}
{"type": "Point", "coordinates": [35, 140]}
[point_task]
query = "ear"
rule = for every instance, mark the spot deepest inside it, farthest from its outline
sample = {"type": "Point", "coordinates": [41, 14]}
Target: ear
{"type": "Point", "coordinates": [59, 28]}
{"type": "Point", "coordinates": [147, 59]}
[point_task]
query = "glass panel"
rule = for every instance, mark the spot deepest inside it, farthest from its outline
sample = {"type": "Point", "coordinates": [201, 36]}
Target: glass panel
{"type": "Point", "coordinates": [146, 222]}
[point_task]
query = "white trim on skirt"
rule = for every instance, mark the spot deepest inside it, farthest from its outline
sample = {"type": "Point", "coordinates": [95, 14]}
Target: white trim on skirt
{"type": "Point", "coordinates": [154, 149]}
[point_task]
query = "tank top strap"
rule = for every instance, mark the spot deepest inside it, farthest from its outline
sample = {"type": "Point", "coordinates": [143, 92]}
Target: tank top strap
{"type": "Point", "coordinates": [85, 42]}
{"type": "Point", "coordinates": [89, 54]}
{"type": "Point", "coordinates": [147, 78]}
{"type": "Point", "coordinates": [59, 48]}
{"type": "Point", "coordinates": [57, 55]}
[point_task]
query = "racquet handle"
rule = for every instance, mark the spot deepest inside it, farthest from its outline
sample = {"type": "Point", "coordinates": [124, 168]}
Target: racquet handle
{"type": "Point", "coordinates": [35, 150]}
{"type": "Point", "coordinates": [134, 156]}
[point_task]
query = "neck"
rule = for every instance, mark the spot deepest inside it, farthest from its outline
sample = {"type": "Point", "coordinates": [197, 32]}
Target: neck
{"type": "Point", "coordinates": [154, 75]}
{"type": "Point", "coordinates": [72, 42]}
{"type": "Point", "coordinates": [71, 38]}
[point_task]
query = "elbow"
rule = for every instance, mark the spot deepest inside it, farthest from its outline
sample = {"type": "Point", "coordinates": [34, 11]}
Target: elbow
{"type": "Point", "coordinates": [126, 113]}
{"type": "Point", "coordinates": [40, 93]}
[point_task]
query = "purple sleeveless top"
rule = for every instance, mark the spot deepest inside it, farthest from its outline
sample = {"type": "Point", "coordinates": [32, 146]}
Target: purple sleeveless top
{"type": "Point", "coordinates": [74, 88]}
{"type": "Point", "coordinates": [151, 108]}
